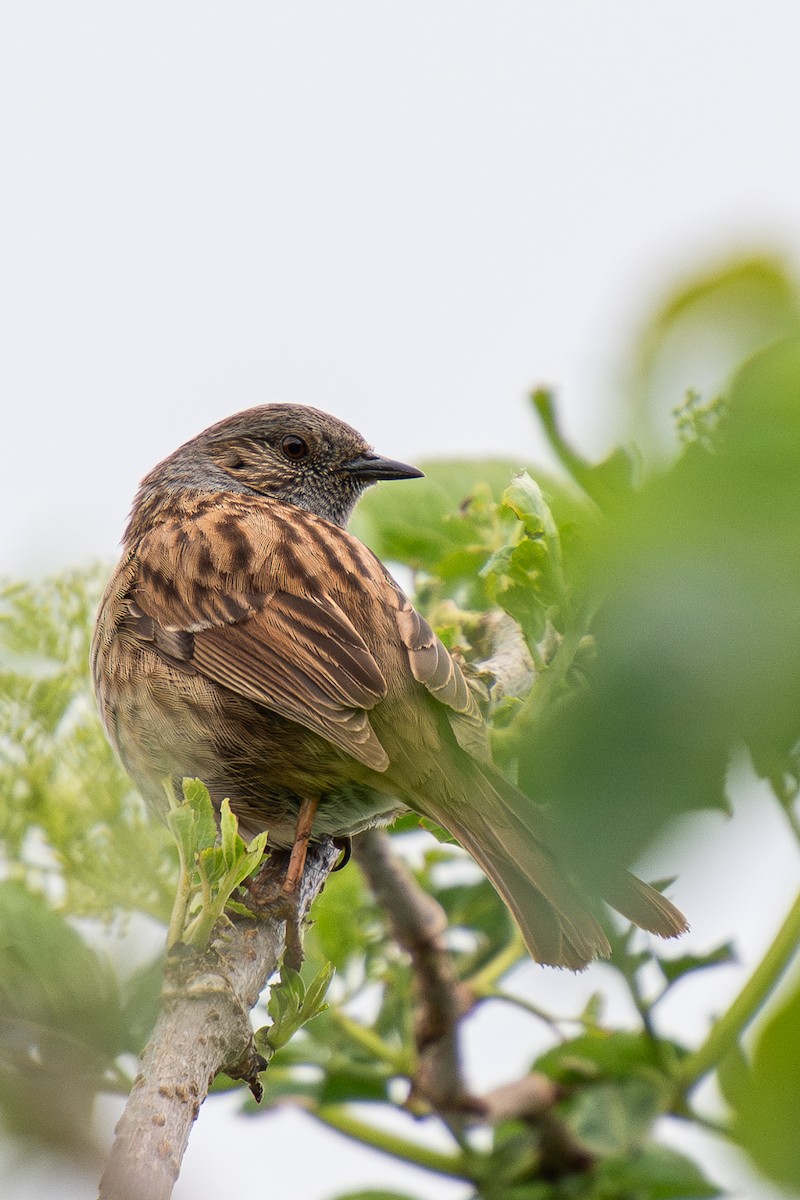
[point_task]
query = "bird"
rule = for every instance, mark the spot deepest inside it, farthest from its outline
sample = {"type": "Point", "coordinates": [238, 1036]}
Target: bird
{"type": "Point", "coordinates": [247, 639]}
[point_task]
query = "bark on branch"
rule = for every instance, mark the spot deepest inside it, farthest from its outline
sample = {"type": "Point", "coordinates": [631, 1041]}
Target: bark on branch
{"type": "Point", "coordinates": [418, 924]}
{"type": "Point", "coordinates": [203, 1028]}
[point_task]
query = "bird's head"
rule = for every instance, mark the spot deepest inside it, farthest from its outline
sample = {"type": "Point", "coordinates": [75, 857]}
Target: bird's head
{"type": "Point", "coordinates": [284, 451]}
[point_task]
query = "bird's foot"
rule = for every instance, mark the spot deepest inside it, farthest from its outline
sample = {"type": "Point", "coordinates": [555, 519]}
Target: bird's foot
{"type": "Point", "coordinates": [268, 896]}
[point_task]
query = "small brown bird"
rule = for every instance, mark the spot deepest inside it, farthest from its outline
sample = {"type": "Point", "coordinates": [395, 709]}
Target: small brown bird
{"type": "Point", "coordinates": [248, 639]}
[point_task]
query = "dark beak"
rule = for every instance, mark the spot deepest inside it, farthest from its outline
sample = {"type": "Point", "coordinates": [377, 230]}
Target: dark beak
{"type": "Point", "coordinates": [372, 466]}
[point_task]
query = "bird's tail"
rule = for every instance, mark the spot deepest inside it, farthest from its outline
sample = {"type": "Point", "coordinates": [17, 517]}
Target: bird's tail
{"type": "Point", "coordinates": [495, 823]}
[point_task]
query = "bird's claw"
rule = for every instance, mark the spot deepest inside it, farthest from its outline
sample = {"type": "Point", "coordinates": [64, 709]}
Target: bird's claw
{"type": "Point", "coordinates": [345, 844]}
{"type": "Point", "coordinates": [269, 896]}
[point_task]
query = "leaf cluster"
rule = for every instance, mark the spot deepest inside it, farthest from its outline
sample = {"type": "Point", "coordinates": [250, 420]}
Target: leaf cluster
{"type": "Point", "coordinates": [214, 861]}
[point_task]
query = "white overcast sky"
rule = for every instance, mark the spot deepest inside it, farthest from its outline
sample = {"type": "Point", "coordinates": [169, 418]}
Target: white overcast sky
{"type": "Point", "coordinates": [406, 213]}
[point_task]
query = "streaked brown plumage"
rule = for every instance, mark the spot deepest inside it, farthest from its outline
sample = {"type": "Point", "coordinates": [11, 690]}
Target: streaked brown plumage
{"type": "Point", "coordinates": [248, 639]}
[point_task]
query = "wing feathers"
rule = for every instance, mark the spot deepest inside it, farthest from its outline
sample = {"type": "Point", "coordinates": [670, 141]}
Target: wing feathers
{"type": "Point", "coordinates": [431, 663]}
{"type": "Point", "coordinates": [227, 607]}
{"type": "Point", "coordinates": [241, 660]}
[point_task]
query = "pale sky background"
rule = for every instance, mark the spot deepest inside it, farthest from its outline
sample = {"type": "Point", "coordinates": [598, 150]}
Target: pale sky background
{"type": "Point", "coordinates": [407, 214]}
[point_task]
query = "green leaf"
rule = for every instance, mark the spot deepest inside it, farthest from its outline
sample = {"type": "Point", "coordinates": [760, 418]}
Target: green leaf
{"type": "Point", "coordinates": [525, 499]}
{"type": "Point", "coordinates": [531, 1190]}
{"type": "Point", "coordinates": [477, 907]}
{"type": "Point", "coordinates": [339, 928]}
{"type": "Point", "coordinates": [51, 980]}
{"type": "Point", "coordinates": [654, 1173]}
{"type": "Point", "coordinates": [767, 1099]}
{"type": "Point", "coordinates": [608, 482]}
{"type": "Point", "coordinates": [182, 822]}
{"type": "Point", "coordinates": [724, 315]}
{"type": "Point", "coordinates": [515, 1157]}
{"type": "Point", "coordinates": [198, 801]}
{"type": "Point", "coordinates": [141, 998]}
{"type": "Point", "coordinates": [231, 844]}
{"type": "Point", "coordinates": [599, 1054]}
{"type": "Point", "coordinates": [215, 861]}
{"type": "Point", "coordinates": [412, 521]}
{"type": "Point", "coordinates": [517, 581]}
{"type": "Point", "coordinates": [674, 969]}
{"type": "Point", "coordinates": [614, 1119]}
{"type": "Point", "coordinates": [592, 1014]}
{"type": "Point", "coordinates": [292, 1005]}
{"type": "Point", "coordinates": [733, 1075]}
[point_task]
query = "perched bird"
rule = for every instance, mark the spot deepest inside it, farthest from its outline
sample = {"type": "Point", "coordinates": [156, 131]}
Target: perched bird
{"type": "Point", "coordinates": [248, 639]}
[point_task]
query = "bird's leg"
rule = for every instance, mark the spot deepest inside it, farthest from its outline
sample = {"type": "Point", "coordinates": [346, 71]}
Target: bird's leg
{"type": "Point", "coordinates": [297, 860]}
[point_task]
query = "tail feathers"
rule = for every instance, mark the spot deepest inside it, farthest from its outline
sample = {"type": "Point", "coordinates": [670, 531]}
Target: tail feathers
{"type": "Point", "coordinates": [560, 934]}
{"type": "Point", "coordinates": [558, 928]}
{"type": "Point", "coordinates": [493, 821]}
{"type": "Point", "coordinates": [646, 907]}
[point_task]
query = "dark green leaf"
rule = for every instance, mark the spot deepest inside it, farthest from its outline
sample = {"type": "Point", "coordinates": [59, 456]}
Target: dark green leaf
{"type": "Point", "coordinates": [346, 1086]}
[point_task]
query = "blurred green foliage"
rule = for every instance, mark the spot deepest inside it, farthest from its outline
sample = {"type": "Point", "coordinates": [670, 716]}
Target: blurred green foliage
{"type": "Point", "coordinates": [657, 595]}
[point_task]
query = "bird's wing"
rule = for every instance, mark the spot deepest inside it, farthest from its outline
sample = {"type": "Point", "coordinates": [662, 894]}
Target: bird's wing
{"type": "Point", "coordinates": [246, 609]}
{"type": "Point", "coordinates": [432, 665]}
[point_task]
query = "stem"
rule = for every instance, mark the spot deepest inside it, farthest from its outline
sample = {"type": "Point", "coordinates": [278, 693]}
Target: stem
{"type": "Point", "coordinates": [341, 1119]}
{"type": "Point", "coordinates": [533, 1010]}
{"type": "Point", "coordinates": [483, 984]}
{"type": "Point", "coordinates": [727, 1030]}
{"type": "Point", "coordinates": [645, 1010]}
{"type": "Point", "coordinates": [484, 981]}
{"type": "Point", "coordinates": [198, 932]}
{"type": "Point", "coordinates": [544, 406]}
{"type": "Point", "coordinates": [177, 920]}
{"type": "Point", "coordinates": [368, 1040]}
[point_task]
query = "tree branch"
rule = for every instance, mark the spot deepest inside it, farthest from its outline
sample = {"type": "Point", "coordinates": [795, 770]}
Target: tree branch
{"type": "Point", "coordinates": [203, 1028]}
{"type": "Point", "coordinates": [418, 924]}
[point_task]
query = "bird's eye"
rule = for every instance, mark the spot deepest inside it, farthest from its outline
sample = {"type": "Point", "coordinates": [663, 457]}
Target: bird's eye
{"type": "Point", "coordinates": [294, 447]}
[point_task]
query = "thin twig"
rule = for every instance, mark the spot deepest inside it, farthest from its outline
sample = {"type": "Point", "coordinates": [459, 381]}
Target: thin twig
{"type": "Point", "coordinates": [203, 1028]}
